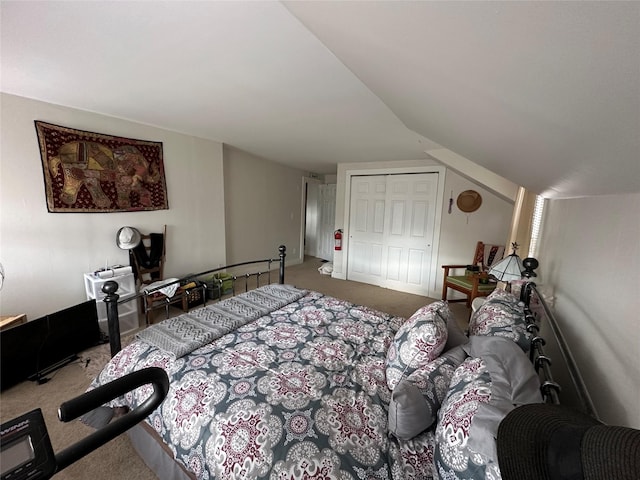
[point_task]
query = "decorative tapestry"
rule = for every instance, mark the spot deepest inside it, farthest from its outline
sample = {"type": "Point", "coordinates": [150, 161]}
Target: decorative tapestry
{"type": "Point", "coordinates": [93, 173]}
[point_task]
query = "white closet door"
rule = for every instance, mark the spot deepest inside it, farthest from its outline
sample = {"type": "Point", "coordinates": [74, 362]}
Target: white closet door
{"type": "Point", "coordinates": [392, 219]}
{"type": "Point", "coordinates": [411, 207]}
{"type": "Point", "coordinates": [366, 229]}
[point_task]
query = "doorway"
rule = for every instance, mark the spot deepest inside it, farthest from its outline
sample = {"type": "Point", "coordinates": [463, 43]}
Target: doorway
{"type": "Point", "coordinates": [319, 219]}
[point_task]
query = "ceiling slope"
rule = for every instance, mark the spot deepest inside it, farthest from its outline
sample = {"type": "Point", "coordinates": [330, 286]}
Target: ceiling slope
{"type": "Point", "coordinates": [546, 94]}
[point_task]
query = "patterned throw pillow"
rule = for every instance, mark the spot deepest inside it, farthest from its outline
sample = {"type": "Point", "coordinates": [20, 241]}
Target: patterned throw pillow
{"type": "Point", "coordinates": [416, 399]}
{"type": "Point", "coordinates": [470, 387]}
{"type": "Point", "coordinates": [418, 341]}
{"type": "Point", "coordinates": [502, 315]}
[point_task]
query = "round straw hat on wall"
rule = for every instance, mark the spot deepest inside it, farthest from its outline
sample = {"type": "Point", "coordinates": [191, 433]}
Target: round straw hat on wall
{"type": "Point", "coordinates": [469, 201]}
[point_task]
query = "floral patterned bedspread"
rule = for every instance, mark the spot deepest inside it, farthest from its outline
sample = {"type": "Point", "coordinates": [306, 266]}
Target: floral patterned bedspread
{"type": "Point", "coordinates": [298, 393]}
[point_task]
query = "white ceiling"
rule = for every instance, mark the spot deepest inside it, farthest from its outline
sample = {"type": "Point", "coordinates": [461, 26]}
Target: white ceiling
{"type": "Point", "coordinates": [546, 94]}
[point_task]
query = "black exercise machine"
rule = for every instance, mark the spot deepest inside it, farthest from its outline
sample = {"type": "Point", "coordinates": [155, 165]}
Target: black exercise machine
{"type": "Point", "coordinates": [26, 452]}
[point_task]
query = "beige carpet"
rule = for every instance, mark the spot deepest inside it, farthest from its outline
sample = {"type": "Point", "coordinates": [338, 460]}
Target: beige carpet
{"type": "Point", "coordinates": [117, 460]}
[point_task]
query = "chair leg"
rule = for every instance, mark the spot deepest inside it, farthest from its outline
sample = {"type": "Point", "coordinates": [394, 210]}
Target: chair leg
{"type": "Point", "coordinates": [185, 301]}
{"type": "Point", "coordinates": [147, 309]}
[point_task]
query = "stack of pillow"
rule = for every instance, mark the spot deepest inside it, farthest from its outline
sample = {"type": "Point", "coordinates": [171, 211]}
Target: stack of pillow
{"type": "Point", "coordinates": [461, 386]}
{"type": "Point", "coordinates": [417, 373]}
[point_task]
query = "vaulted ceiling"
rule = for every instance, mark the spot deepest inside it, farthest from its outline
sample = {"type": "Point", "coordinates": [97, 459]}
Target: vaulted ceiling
{"type": "Point", "coordinates": [545, 94]}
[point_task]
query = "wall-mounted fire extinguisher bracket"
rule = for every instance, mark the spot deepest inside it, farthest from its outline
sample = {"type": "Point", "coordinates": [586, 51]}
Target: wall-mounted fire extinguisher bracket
{"type": "Point", "coordinates": [337, 236]}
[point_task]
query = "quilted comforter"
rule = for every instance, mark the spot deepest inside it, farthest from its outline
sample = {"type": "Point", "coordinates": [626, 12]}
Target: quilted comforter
{"type": "Point", "coordinates": [297, 392]}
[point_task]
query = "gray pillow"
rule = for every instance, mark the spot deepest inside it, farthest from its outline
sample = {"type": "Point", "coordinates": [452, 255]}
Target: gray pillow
{"type": "Point", "coordinates": [409, 413]}
{"type": "Point", "coordinates": [417, 398]}
{"type": "Point", "coordinates": [514, 382]}
{"type": "Point", "coordinates": [503, 356]}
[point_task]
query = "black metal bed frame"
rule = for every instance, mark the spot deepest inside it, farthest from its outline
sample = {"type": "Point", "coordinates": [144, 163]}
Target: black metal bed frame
{"type": "Point", "coordinates": [565, 385]}
{"type": "Point", "coordinates": [112, 301]}
{"type": "Point", "coordinates": [541, 323]}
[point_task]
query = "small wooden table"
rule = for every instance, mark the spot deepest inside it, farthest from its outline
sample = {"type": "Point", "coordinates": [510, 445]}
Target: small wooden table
{"type": "Point", "coordinates": [8, 321]}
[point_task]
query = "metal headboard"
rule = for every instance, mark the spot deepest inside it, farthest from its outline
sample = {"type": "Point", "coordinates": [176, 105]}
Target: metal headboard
{"type": "Point", "coordinates": [562, 383]}
{"type": "Point", "coordinates": [112, 298]}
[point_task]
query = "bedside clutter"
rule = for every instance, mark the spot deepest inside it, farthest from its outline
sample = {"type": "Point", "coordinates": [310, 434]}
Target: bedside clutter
{"type": "Point", "coordinates": [164, 293]}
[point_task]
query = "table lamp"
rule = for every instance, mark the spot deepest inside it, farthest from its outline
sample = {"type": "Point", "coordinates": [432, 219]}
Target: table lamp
{"type": "Point", "coordinates": [509, 268]}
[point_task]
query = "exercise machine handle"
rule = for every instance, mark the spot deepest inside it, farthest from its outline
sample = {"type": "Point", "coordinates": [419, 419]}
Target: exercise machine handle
{"type": "Point", "coordinates": [97, 397]}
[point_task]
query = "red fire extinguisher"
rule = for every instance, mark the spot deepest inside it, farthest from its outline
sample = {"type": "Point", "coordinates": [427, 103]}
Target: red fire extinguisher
{"type": "Point", "coordinates": [337, 236]}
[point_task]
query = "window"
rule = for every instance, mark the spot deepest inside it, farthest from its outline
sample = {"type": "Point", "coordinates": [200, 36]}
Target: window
{"type": "Point", "coordinates": [536, 222]}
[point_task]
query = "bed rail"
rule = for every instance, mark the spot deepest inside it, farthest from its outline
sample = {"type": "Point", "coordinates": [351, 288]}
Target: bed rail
{"type": "Point", "coordinates": [112, 301]}
{"type": "Point", "coordinates": [562, 383]}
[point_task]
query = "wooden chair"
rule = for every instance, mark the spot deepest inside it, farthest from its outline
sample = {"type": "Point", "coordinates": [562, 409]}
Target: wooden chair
{"type": "Point", "coordinates": [471, 285]}
{"type": "Point", "coordinates": [148, 258]}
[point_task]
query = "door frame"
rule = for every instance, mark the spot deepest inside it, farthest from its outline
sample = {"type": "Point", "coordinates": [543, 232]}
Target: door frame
{"type": "Point", "coordinates": [441, 171]}
{"type": "Point", "coordinates": [303, 211]}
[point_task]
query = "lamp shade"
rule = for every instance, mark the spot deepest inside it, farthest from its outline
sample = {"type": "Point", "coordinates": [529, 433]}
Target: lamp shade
{"type": "Point", "coordinates": [508, 269]}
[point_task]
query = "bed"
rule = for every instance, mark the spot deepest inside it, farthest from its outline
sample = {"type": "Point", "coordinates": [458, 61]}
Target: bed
{"type": "Point", "coordinates": [280, 382]}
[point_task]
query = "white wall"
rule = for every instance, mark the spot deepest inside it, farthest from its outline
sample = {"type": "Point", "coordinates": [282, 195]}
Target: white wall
{"type": "Point", "coordinates": [263, 205]}
{"type": "Point", "coordinates": [45, 254]}
{"type": "Point", "coordinates": [459, 232]}
{"type": "Point", "coordinates": [590, 260]}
